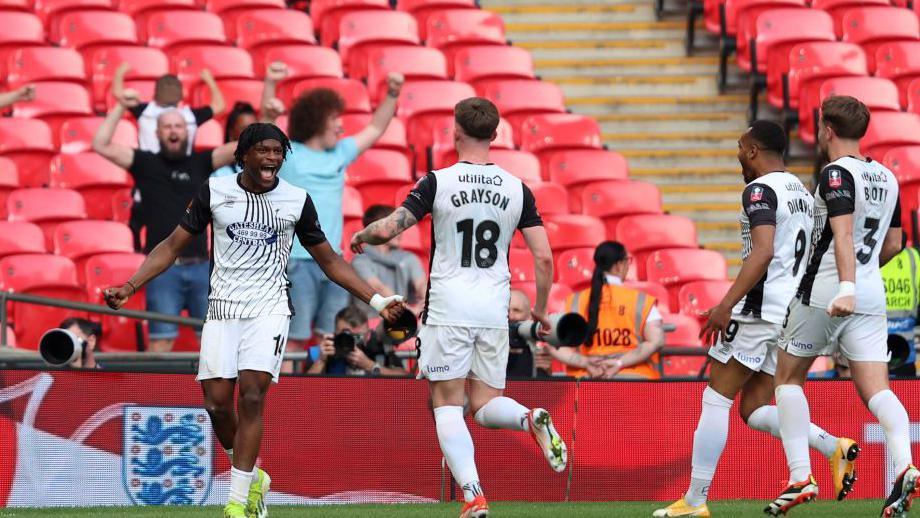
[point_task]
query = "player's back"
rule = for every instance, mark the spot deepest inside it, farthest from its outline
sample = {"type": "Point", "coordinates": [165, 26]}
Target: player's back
{"type": "Point", "coordinates": [777, 198]}
{"type": "Point", "coordinates": [868, 191]}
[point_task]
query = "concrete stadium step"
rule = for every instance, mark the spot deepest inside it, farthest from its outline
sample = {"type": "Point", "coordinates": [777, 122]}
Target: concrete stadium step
{"type": "Point", "coordinates": [605, 49]}
{"type": "Point", "coordinates": [549, 68]}
{"type": "Point", "coordinates": [598, 104]}
{"type": "Point", "coordinates": [529, 31]}
{"type": "Point", "coordinates": [672, 121]}
{"type": "Point", "coordinates": [637, 11]}
{"type": "Point", "coordinates": [691, 140]}
{"type": "Point", "coordinates": [698, 85]}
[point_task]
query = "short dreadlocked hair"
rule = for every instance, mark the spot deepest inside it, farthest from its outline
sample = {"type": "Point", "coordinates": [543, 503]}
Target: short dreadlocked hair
{"type": "Point", "coordinates": [255, 133]}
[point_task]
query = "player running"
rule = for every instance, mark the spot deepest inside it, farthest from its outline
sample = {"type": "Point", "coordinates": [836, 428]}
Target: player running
{"type": "Point", "coordinates": [857, 229]}
{"type": "Point", "coordinates": [776, 226]}
{"type": "Point", "coordinates": [254, 217]}
{"type": "Point", "coordinates": [475, 207]}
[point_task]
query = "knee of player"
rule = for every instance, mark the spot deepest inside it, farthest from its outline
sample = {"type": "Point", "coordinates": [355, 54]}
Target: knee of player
{"type": "Point", "coordinates": [252, 398]}
{"type": "Point", "coordinates": [218, 407]}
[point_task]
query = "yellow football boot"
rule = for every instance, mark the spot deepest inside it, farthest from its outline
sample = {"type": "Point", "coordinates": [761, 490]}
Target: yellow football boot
{"type": "Point", "coordinates": [843, 466]}
{"type": "Point", "coordinates": [680, 508]}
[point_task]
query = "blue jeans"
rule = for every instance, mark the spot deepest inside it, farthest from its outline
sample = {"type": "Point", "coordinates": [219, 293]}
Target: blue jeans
{"type": "Point", "coordinates": [316, 299]}
{"type": "Point", "coordinates": [178, 288]}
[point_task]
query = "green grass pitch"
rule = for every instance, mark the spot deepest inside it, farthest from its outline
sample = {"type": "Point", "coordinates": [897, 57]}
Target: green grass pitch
{"type": "Point", "coordinates": [732, 509]}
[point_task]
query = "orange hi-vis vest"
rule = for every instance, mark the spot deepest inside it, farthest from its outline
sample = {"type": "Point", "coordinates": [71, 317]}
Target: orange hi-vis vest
{"type": "Point", "coordinates": [620, 324]}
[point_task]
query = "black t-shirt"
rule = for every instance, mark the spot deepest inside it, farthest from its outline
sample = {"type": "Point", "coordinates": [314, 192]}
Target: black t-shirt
{"type": "Point", "coordinates": [167, 187]}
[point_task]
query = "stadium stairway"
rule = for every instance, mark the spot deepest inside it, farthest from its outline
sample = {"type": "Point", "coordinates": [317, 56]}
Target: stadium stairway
{"type": "Point", "coordinates": [656, 106]}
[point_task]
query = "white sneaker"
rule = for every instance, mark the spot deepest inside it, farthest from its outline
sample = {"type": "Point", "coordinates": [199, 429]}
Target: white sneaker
{"type": "Point", "coordinates": [543, 431]}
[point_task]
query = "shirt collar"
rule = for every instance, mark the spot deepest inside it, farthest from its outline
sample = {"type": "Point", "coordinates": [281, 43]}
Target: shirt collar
{"type": "Point", "coordinates": [613, 279]}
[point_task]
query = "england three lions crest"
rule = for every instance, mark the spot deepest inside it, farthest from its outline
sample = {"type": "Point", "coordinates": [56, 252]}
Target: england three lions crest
{"type": "Point", "coordinates": [167, 455]}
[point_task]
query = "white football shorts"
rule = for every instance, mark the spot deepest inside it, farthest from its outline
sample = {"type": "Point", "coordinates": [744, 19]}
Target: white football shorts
{"type": "Point", "coordinates": [752, 343]}
{"type": "Point", "coordinates": [452, 352]}
{"type": "Point", "coordinates": [810, 331]}
{"type": "Point", "coordinates": [231, 345]}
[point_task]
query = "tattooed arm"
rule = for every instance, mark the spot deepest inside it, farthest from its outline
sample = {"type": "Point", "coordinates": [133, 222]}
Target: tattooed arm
{"type": "Point", "coordinates": [383, 230]}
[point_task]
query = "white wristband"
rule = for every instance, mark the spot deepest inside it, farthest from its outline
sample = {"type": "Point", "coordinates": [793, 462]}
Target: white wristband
{"type": "Point", "coordinates": [379, 303]}
{"type": "Point", "coordinates": [846, 289]}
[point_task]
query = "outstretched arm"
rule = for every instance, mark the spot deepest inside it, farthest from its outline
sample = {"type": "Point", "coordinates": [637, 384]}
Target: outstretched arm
{"type": "Point", "coordinates": [218, 105]}
{"type": "Point", "coordinates": [538, 243]}
{"type": "Point", "coordinates": [120, 155]}
{"type": "Point", "coordinates": [160, 259]}
{"type": "Point", "coordinates": [383, 230]}
{"type": "Point", "coordinates": [341, 273]}
{"type": "Point", "coordinates": [385, 112]}
{"type": "Point", "coordinates": [23, 93]}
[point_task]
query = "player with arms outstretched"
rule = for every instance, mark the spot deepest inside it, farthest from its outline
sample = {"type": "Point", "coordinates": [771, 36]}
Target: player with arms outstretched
{"type": "Point", "coordinates": [254, 217]}
{"type": "Point", "coordinates": [840, 304]}
{"type": "Point", "coordinates": [476, 207]}
{"type": "Point", "coordinates": [742, 331]}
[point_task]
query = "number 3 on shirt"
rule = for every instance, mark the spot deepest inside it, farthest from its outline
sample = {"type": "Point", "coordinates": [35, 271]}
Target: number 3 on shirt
{"type": "Point", "coordinates": [485, 251]}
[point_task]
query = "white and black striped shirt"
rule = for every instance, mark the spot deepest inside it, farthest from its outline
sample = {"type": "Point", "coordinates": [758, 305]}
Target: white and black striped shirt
{"type": "Point", "coordinates": [252, 234]}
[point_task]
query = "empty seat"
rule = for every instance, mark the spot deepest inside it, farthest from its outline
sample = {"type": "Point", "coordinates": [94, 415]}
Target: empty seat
{"type": "Point", "coordinates": [169, 29]}
{"type": "Point", "coordinates": [50, 10]}
{"type": "Point", "coordinates": [47, 208]}
{"type": "Point", "coordinates": [452, 29]}
{"type": "Point", "coordinates": [141, 10]}
{"type": "Point", "coordinates": [233, 90]}
{"type": "Point", "coordinates": [9, 182]}
{"type": "Point", "coordinates": [578, 167]}
{"type": "Point", "coordinates": [21, 237]}
{"type": "Point", "coordinates": [78, 240]}
{"type": "Point", "coordinates": [550, 198]}
{"type": "Point", "coordinates": [20, 29]}
{"type": "Point", "coordinates": [327, 15]}
{"type": "Point", "coordinates": [541, 134]}
{"type": "Point", "coordinates": [145, 63]}
{"type": "Point", "coordinates": [414, 63]}
{"type": "Point", "coordinates": [654, 289]}
{"type": "Point", "coordinates": [121, 203]}
{"type": "Point", "coordinates": [837, 8]}
{"type": "Point", "coordinates": [76, 134]}
{"type": "Point", "coordinates": [102, 271]}
{"type": "Point", "coordinates": [913, 96]}
{"type": "Point", "coordinates": [904, 162]}
{"type": "Point", "coordinates": [900, 62]}
{"type": "Point", "coordinates": [520, 262]}
{"type": "Point", "coordinates": [94, 177]}
{"type": "Point", "coordinates": [697, 297]}
{"type": "Point", "coordinates": [612, 200]}
{"type": "Point", "coordinates": [421, 103]}
{"type": "Point", "coordinates": [878, 94]}
{"type": "Point", "coordinates": [378, 174]}
{"type": "Point", "coordinates": [521, 164]}
{"type": "Point", "coordinates": [43, 275]}
{"type": "Point", "coordinates": [31, 64]}
{"type": "Point", "coordinates": [83, 29]}
{"type": "Point", "coordinates": [575, 267]}
{"type": "Point", "coordinates": [870, 27]}
{"type": "Point", "coordinates": [887, 130]}
{"type": "Point", "coordinates": [422, 9]}
{"type": "Point", "coordinates": [567, 231]}
{"type": "Point", "coordinates": [644, 233]}
{"type": "Point", "coordinates": [352, 208]}
{"type": "Point", "coordinates": [352, 91]}
{"type": "Point", "coordinates": [675, 267]}
{"type": "Point", "coordinates": [362, 31]}
{"type": "Point", "coordinates": [303, 62]}
{"type": "Point", "coordinates": [269, 27]}
{"type": "Point", "coordinates": [480, 62]}
{"type": "Point", "coordinates": [686, 334]}
{"type": "Point", "coordinates": [519, 99]}
{"type": "Point", "coordinates": [55, 102]}
{"type": "Point", "coordinates": [231, 10]}
{"type": "Point", "coordinates": [30, 144]}
{"type": "Point", "coordinates": [223, 62]}
{"type": "Point", "coordinates": [443, 152]}
{"type": "Point", "coordinates": [394, 137]}
{"type": "Point", "coordinates": [557, 294]}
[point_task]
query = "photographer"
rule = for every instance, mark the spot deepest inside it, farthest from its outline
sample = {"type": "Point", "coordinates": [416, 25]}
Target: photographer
{"type": "Point", "coordinates": [89, 333]}
{"type": "Point", "coordinates": [521, 357]}
{"type": "Point", "coordinates": [354, 350]}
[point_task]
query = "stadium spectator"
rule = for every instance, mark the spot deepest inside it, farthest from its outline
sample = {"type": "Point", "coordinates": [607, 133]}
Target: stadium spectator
{"type": "Point", "coordinates": [317, 163]}
{"type": "Point", "coordinates": [90, 333]}
{"type": "Point", "coordinates": [167, 181]}
{"type": "Point", "coordinates": [902, 296]}
{"type": "Point", "coordinates": [23, 93]}
{"type": "Point", "coordinates": [361, 360]}
{"type": "Point", "coordinates": [388, 268]}
{"type": "Point", "coordinates": [520, 354]}
{"type": "Point", "coordinates": [624, 326]}
{"type": "Point", "coordinates": [167, 95]}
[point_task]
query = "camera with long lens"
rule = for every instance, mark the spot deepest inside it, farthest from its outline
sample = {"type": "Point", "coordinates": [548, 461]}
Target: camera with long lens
{"type": "Point", "coordinates": [569, 330]}
{"type": "Point", "coordinates": [60, 347]}
{"type": "Point", "coordinates": [382, 340]}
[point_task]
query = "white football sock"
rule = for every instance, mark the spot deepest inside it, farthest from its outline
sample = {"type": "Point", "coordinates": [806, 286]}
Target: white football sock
{"type": "Point", "coordinates": [229, 454]}
{"type": "Point", "coordinates": [239, 485]}
{"type": "Point", "coordinates": [503, 412]}
{"type": "Point", "coordinates": [794, 418]}
{"type": "Point", "coordinates": [457, 447]}
{"type": "Point", "coordinates": [766, 419]}
{"type": "Point", "coordinates": [708, 443]}
{"type": "Point", "coordinates": [893, 418]}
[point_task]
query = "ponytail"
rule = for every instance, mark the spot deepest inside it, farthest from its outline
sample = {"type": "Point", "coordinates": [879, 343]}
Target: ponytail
{"type": "Point", "coordinates": [606, 255]}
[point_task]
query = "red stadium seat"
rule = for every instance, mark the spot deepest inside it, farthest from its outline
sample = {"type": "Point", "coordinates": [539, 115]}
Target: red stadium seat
{"type": "Point", "coordinates": [47, 208]}
{"type": "Point", "coordinates": [262, 28]}
{"type": "Point", "coordinates": [422, 9]}
{"type": "Point", "coordinates": [352, 209]}
{"type": "Point", "coordinates": [871, 27]}
{"type": "Point", "coordinates": [9, 182]}
{"type": "Point", "coordinates": [43, 275]}
{"type": "Point", "coordinates": [303, 62]}
{"type": "Point", "coordinates": [85, 29]}
{"type": "Point", "coordinates": [17, 5]}
{"type": "Point", "coordinates": [223, 62]}
{"type": "Point", "coordinates": [414, 63]}
{"type": "Point", "coordinates": [393, 138]}
{"type": "Point", "coordinates": [233, 90]}
{"type": "Point", "coordinates": [519, 99]}
{"type": "Point", "coordinates": [362, 31]}
{"type": "Point", "coordinates": [20, 29]}
{"type": "Point", "coordinates": [913, 96]}
{"type": "Point", "coordinates": [50, 10]}
{"type": "Point", "coordinates": [327, 15]}
{"type": "Point", "coordinates": [443, 152]}
{"type": "Point", "coordinates": [209, 135]}
{"type": "Point", "coordinates": [878, 94]}
{"type": "Point", "coordinates": [576, 168]}
{"type": "Point", "coordinates": [654, 289]}
{"type": "Point", "coordinates": [170, 29]}
{"type": "Point", "coordinates": [78, 240]}
{"type": "Point", "coordinates": [422, 104]}
{"type": "Point", "coordinates": [575, 267]}
{"type": "Point", "coordinates": [888, 130]}
{"type": "Point", "coordinates": [55, 102]}
{"type": "Point", "coordinates": [837, 8]}
{"type": "Point", "coordinates": [521, 164]}
{"type": "Point", "coordinates": [452, 29]}
{"type": "Point", "coordinates": [686, 334]}
{"type": "Point", "coordinates": [904, 162]}
{"type": "Point", "coordinates": [414, 239]}
{"type": "Point", "coordinates": [550, 198]}
{"type": "Point", "coordinates": [520, 262]}
{"type": "Point", "coordinates": [21, 237]}
{"type": "Point", "coordinates": [612, 200]}
{"type": "Point", "coordinates": [31, 64]}
{"type": "Point", "coordinates": [76, 135]}
{"type": "Point", "coordinates": [684, 366]}
{"type": "Point", "coordinates": [675, 267]}
{"type": "Point", "coordinates": [378, 174]}
{"type": "Point", "coordinates": [122, 202]}
{"type": "Point", "coordinates": [644, 233]}
{"type": "Point", "coordinates": [541, 134]}
{"type": "Point", "coordinates": [352, 91]}
{"type": "Point", "coordinates": [900, 62]}
{"type": "Point", "coordinates": [697, 297]}
{"type": "Point", "coordinates": [146, 64]}
{"type": "Point", "coordinates": [102, 271]}
{"type": "Point", "coordinates": [28, 143]}
{"type": "Point", "coordinates": [480, 62]}
{"type": "Point", "coordinates": [557, 294]}
{"type": "Point", "coordinates": [92, 176]}
{"type": "Point", "coordinates": [231, 10]}
{"type": "Point", "coordinates": [141, 10]}
{"type": "Point", "coordinates": [568, 231]}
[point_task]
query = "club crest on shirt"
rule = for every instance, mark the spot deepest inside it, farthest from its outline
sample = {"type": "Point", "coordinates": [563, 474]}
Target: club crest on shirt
{"type": "Point", "coordinates": [757, 194]}
{"type": "Point", "coordinates": [834, 179]}
{"type": "Point", "coordinates": [252, 233]}
{"type": "Point", "coordinates": [167, 455]}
